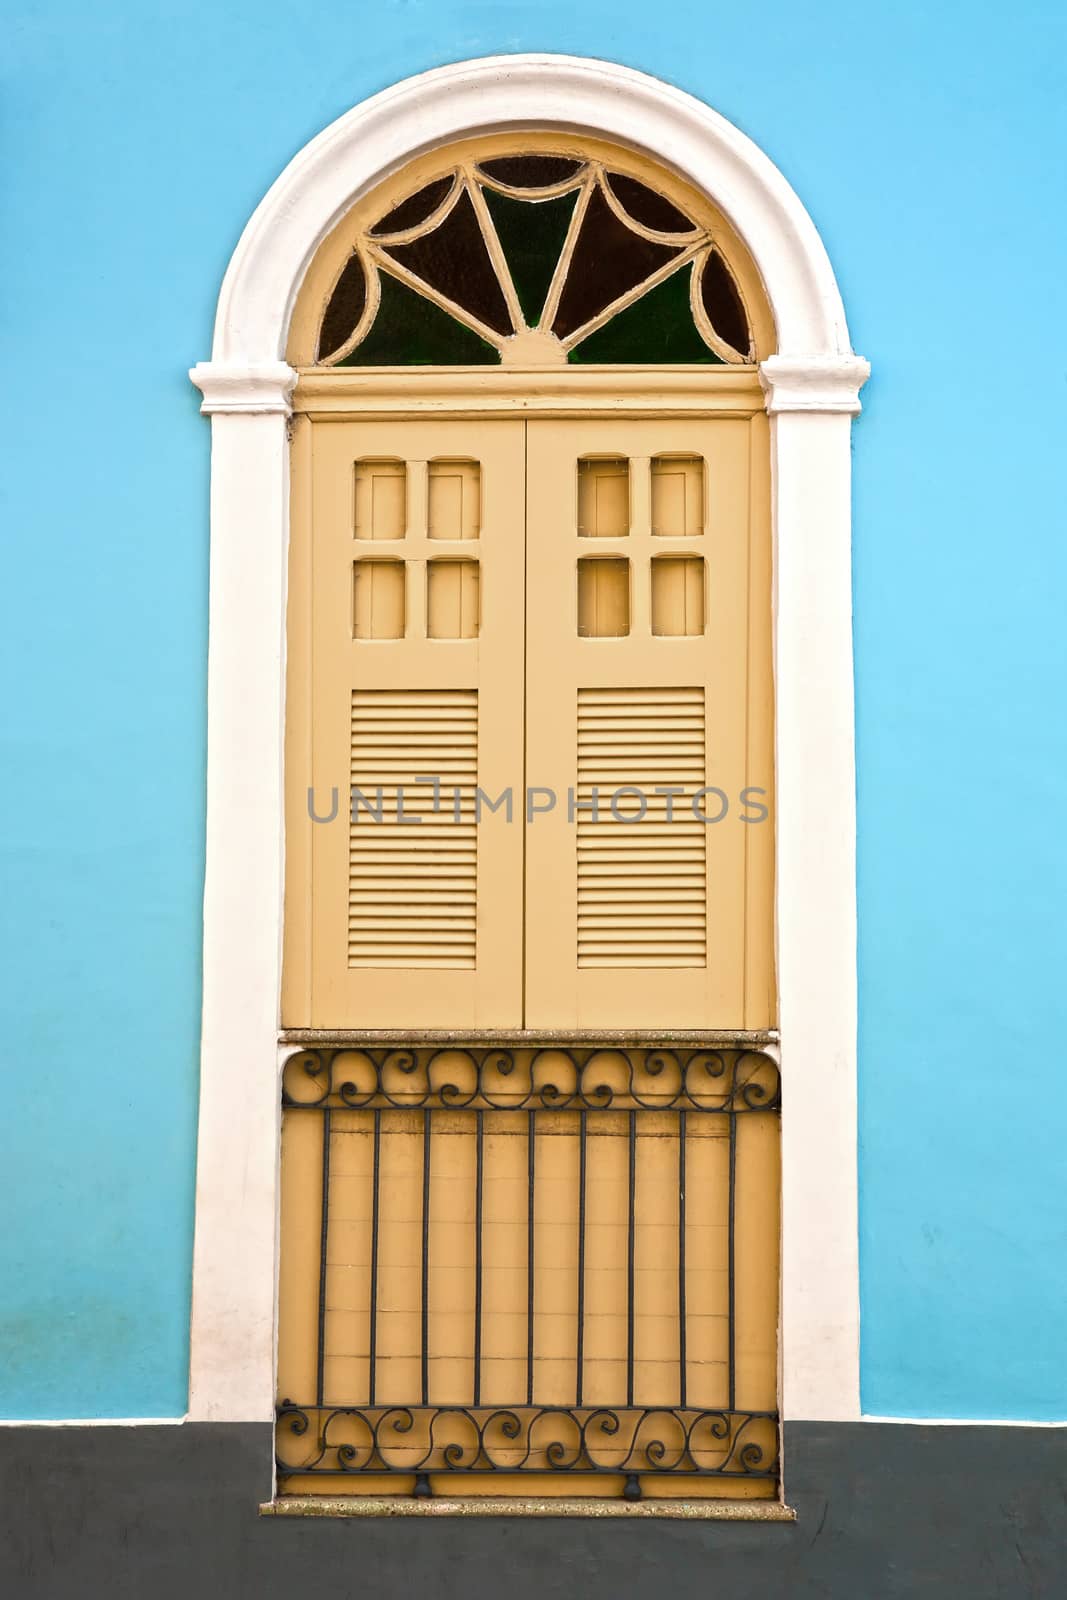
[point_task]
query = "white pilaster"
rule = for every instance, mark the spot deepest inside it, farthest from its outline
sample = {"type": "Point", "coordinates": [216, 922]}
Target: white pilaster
{"type": "Point", "coordinates": [811, 404]}
{"type": "Point", "coordinates": [234, 1252]}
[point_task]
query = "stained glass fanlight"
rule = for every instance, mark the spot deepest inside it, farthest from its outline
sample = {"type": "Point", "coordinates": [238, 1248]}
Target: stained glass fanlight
{"type": "Point", "coordinates": [534, 260]}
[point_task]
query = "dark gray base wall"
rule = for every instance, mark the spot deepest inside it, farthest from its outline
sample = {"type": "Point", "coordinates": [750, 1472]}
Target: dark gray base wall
{"type": "Point", "coordinates": [883, 1510]}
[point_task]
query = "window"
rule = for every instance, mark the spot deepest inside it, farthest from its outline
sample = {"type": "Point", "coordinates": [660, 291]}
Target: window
{"type": "Point", "coordinates": [529, 657]}
{"type": "Point", "coordinates": [271, 301]}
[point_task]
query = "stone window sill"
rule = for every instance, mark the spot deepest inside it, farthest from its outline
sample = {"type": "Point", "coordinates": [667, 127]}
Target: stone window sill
{"type": "Point", "coordinates": [410, 1506]}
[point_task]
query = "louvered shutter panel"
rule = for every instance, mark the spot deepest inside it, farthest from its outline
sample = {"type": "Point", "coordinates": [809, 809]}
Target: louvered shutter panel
{"type": "Point", "coordinates": [413, 868]}
{"type": "Point", "coordinates": [641, 883]}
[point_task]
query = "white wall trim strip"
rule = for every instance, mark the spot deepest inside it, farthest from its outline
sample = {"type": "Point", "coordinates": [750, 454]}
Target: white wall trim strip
{"type": "Point", "coordinates": [177, 1422]}
{"type": "Point", "coordinates": [963, 1422]}
{"type": "Point", "coordinates": [92, 1422]}
{"type": "Point", "coordinates": [812, 386]}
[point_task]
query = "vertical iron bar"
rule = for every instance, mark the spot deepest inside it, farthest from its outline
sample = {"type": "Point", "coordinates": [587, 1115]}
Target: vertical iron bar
{"type": "Point", "coordinates": [630, 1264]}
{"type": "Point", "coordinates": [479, 1169]}
{"type": "Point", "coordinates": [426, 1257]}
{"type": "Point", "coordinates": [375, 1207]}
{"type": "Point", "coordinates": [581, 1256]}
{"type": "Point", "coordinates": [682, 1375]}
{"type": "Point", "coordinates": [531, 1173]}
{"type": "Point", "coordinates": [730, 1260]}
{"type": "Point", "coordinates": [323, 1236]}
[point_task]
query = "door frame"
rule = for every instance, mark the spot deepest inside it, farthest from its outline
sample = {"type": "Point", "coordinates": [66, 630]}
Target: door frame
{"type": "Point", "coordinates": [811, 388]}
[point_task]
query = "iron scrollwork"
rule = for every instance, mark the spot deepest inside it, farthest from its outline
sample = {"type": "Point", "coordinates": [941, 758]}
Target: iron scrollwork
{"type": "Point", "coordinates": [620, 1441]}
{"type": "Point", "coordinates": [555, 1078]}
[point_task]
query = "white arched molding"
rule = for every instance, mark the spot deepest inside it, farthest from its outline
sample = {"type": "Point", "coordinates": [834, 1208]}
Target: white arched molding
{"type": "Point", "coordinates": [812, 386]}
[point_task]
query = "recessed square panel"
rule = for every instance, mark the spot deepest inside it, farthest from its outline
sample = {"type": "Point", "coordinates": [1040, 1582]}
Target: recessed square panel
{"type": "Point", "coordinates": [604, 498]}
{"type": "Point", "coordinates": [452, 600]}
{"type": "Point", "coordinates": [603, 597]}
{"type": "Point", "coordinates": [381, 499]}
{"type": "Point", "coordinates": [378, 599]}
{"type": "Point", "coordinates": [455, 499]}
{"type": "Point", "coordinates": [677, 497]}
{"type": "Point", "coordinates": [677, 596]}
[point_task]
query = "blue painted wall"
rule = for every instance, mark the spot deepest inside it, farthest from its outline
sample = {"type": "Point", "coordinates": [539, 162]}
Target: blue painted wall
{"type": "Point", "coordinates": [924, 141]}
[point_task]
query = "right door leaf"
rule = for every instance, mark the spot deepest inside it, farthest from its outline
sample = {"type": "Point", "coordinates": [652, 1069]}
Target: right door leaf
{"type": "Point", "coordinates": [638, 722]}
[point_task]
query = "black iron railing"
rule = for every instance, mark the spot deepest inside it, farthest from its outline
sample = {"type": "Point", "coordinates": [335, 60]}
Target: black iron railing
{"type": "Point", "coordinates": [703, 1421]}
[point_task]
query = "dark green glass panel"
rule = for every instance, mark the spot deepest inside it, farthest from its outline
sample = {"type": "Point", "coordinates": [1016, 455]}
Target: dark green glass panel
{"type": "Point", "coordinates": [531, 234]}
{"type": "Point", "coordinates": [412, 332]}
{"type": "Point", "coordinates": [658, 329]}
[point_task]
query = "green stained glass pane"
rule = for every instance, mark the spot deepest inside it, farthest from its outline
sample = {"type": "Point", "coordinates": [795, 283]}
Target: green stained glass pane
{"type": "Point", "coordinates": [657, 328]}
{"type": "Point", "coordinates": [531, 234]}
{"type": "Point", "coordinates": [410, 331]}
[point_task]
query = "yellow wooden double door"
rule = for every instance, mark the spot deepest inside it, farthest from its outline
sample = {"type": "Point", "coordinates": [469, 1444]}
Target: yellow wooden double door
{"type": "Point", "coordinates": [529, 725]}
